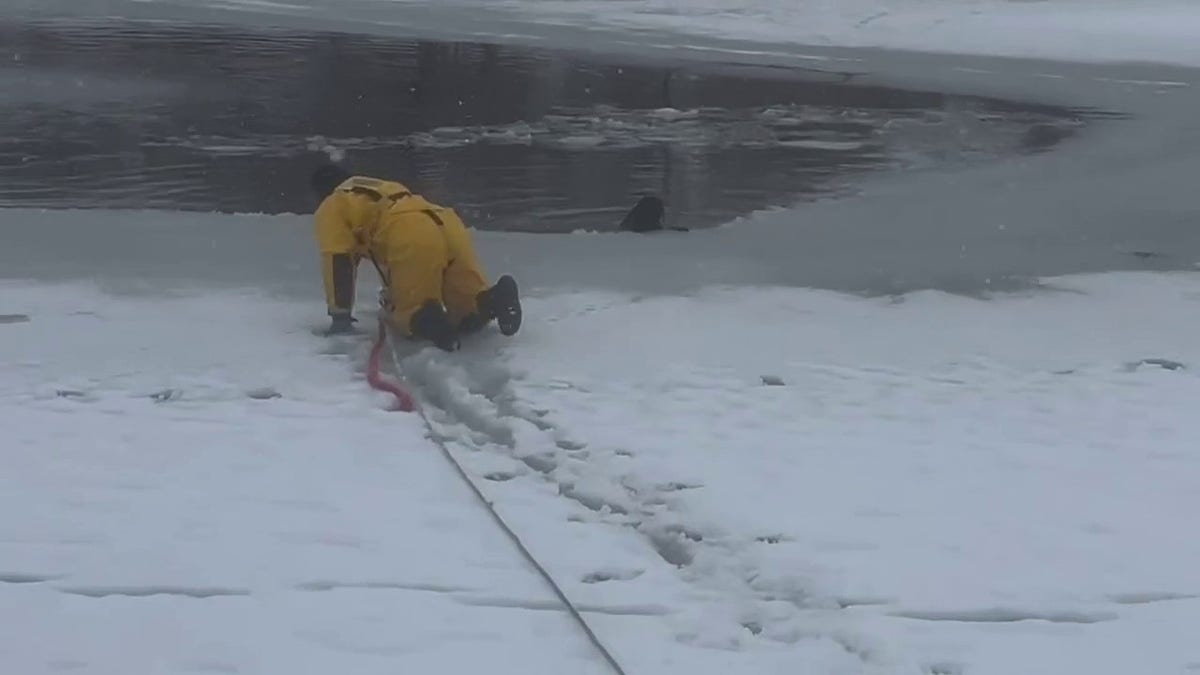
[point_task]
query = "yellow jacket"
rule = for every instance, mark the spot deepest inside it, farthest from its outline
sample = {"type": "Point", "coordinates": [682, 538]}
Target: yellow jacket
{"type": "Point", "coordinates": [347, 230]}
{"type": "Point", "coordinates": [351, 223]}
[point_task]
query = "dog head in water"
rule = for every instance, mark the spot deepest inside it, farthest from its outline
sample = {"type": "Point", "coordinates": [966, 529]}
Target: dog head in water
{"type": "Point", "coordinates": [645, 216]}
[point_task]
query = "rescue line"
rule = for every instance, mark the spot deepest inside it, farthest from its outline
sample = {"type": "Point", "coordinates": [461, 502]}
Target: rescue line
{"type": "Point", "coordinates": [406, 402]}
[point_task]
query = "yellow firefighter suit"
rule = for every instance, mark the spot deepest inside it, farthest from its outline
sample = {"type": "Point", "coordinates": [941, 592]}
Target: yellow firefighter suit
{"type": "Point", "coordinates": [422, 250]}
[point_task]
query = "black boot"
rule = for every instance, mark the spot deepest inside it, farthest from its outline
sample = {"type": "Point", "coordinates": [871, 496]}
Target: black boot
{"type": "Point", "coordinates": [431, 323]}
{"type": "Point", "coordinates": [502, 302]}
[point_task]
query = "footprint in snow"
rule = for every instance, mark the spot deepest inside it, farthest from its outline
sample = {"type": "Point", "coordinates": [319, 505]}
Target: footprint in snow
{"type": "Point", "coordinates": [1149, 597]}
{"type": "Point", "coordinates": [1165, 364]}
{"type": "Point", "coordinates": [1006, 615]}
{"type": "Point", "coordinates": [24, 578]}
{"type": "Point", "coordinates": [167, 395]}
{"type": "Point", "coordinates": [601, 576]}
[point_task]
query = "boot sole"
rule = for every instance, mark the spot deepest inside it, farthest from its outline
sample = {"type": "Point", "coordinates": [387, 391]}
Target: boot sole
{"type": "Point", "coordinates": [506, 303]}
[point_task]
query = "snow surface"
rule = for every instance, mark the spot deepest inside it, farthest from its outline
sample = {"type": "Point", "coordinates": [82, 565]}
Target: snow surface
{"type": "Point", "coordinates": [936, 484]}
{"type": "Point", "coordinates": [797, 481]}
{"type": "Point", "coordinates": [199, 484]}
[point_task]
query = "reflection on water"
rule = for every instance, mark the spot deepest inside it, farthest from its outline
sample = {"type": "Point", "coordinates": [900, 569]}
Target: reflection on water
{"type": "Point", "coordinates": [155, 115]}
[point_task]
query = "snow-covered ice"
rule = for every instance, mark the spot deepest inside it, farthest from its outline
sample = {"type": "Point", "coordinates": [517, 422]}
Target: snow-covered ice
{"type": "Point", "coordinates": [796, 480]}
{"type": "Point", "coordinates": [200, 484]}
{"type": "Point", "coordinates": [933, 484]}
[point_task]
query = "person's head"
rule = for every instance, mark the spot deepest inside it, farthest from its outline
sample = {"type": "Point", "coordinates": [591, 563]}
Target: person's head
{"type": "Point", "coordinates": [325, 178]}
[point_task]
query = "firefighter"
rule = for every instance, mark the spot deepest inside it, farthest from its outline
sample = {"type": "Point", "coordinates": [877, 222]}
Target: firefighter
{"type": "Point", "coordinates": [434, 286]}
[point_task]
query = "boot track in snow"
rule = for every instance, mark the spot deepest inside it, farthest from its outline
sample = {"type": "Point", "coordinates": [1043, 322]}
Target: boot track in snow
{"type": "Point", "coordinates": [469, 403]}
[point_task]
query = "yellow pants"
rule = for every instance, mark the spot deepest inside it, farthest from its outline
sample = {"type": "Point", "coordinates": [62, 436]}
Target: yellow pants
{"type": "Point", "coordinates": [428, 255]}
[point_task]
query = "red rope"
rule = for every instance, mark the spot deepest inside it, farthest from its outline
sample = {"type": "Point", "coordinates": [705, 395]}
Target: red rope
{"type": "Point", "coordinates": [404, 400]}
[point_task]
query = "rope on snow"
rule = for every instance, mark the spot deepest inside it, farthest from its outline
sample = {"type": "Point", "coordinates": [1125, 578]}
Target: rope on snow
{"type": "Point", "coordinates": [405, 402]}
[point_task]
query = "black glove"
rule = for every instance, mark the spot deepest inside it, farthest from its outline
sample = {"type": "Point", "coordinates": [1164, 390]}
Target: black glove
{"type": "Point", "coordinates": [341, 324]}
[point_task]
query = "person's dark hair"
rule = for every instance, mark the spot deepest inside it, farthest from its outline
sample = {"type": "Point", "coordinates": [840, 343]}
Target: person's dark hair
{"type": "Point", "coordinates": [326, 177]}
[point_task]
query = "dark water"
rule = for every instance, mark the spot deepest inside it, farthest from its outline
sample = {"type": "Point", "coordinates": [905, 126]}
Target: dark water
{"type": "Point", "coordinates": [193, 117]}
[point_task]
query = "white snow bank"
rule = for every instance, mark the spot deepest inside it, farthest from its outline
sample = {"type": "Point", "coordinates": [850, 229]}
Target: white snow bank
{"type": "Point", "coordinates": [1070, 30]}
{"type": "Point", "coordinates": [932, 485]}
